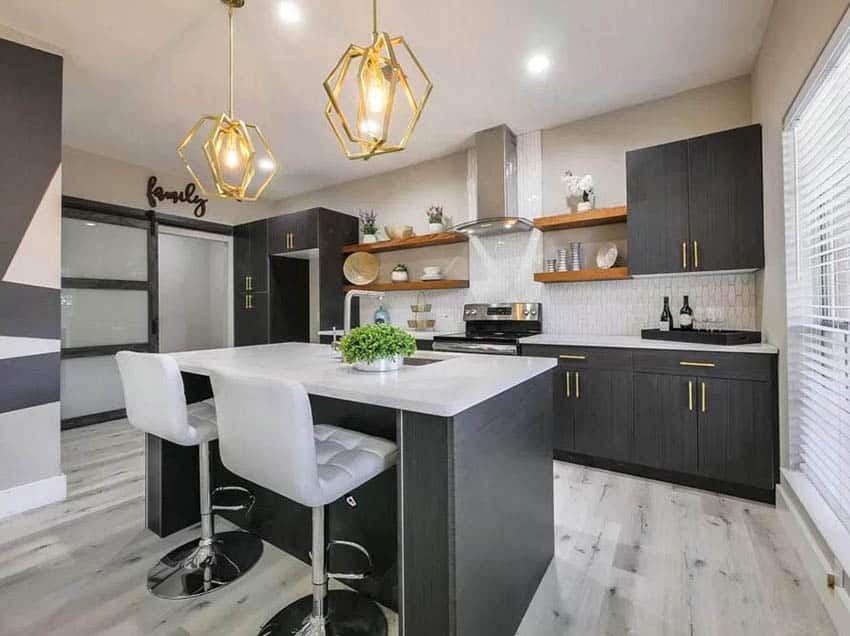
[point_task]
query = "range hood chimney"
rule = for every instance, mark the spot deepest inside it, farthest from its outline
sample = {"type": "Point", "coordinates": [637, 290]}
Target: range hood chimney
{"type": "Point", "coordinates": [496, 185]}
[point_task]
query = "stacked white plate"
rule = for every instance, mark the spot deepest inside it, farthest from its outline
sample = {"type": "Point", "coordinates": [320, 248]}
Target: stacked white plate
{"type": "Point", "coordinates": [575, 257]}
{"type": "Point", "coordinates": [563, 264]}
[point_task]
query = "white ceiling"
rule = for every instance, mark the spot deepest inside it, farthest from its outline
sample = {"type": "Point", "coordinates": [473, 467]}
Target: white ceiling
{"type": "Point", "coordinates": [138, 74]}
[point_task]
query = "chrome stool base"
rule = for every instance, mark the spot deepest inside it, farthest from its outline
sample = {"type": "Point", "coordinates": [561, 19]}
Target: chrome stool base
{"type": "Point", "coordinates": [193, 569]}
{"type": "Point", "coordinates": [349, 614]}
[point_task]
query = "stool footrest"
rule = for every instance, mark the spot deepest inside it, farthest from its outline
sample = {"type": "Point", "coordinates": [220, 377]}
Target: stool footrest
{"type": "Point", "coordinates": [357, 549]}
{"type": "Point", "coordinates": [233, 498]}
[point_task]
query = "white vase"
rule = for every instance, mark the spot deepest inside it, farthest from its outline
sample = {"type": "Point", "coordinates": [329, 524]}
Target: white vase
{"type": "Point", "coordinates": [383, 364]}
{"type": "Point", "coordinates": [370, 238]}
{"type": "Point", "coordinates": [399, 277]}
{"type": "Point", "coordinates": [433, 228]}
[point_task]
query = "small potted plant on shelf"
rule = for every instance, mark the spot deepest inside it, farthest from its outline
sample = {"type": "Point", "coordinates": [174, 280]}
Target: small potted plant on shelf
{"type": "Point", "coordinates": [435, 219]}
{"type": "Point", "coordinates": [580, 188]}
{"type": "Point", "coordinates": [368, 221]}
{"type": "Point", "coordinates": [377, 347]}
{"type": "Point", "coordinates": [400, 274]}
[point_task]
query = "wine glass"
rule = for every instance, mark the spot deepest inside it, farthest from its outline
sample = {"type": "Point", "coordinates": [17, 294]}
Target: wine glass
{"type": "Point", "coordinates": [699, 318]}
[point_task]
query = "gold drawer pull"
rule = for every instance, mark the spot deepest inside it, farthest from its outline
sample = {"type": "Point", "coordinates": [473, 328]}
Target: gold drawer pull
{"type": "Point", "coordinates": [690, 395]}
{"type": "Point", "coordinates": [578, 388]}
{"type": "Point", "coordinates": [696, 254]}
{"type": "Point", "coordinates": [684, 255]}
{"type": "Point", "coordinates": [697, 364]}
{"type": "Point", "coordinates": [572, 356]}
{"type": "Point", "coordinates": [568, 383]}
{"type": "Point", "coordinates": [703, 398]}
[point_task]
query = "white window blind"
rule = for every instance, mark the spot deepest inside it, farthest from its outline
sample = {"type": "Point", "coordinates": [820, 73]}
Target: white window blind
{"type": "Point", "coordinates": [817, 230]}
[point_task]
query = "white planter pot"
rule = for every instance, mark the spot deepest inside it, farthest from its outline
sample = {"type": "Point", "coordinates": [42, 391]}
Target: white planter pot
{"type": "Point", "coordinates": [370, 238]}
{"type": "Point", "coordinates": [433, 228]}
{"type": "Point", "coordinates": [399, 277]}
{"type": "Point", "coordinates": [379, 366]}
{"type": "Point", "coordinates": [584, 206]}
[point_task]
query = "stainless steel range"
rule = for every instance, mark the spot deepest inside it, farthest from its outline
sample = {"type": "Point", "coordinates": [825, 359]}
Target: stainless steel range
{"type": "Point", "coordinates": [494, 329]}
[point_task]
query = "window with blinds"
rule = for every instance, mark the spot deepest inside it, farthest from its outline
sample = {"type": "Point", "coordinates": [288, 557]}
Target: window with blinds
{"type": "Point", "coordinates": [817, 229]}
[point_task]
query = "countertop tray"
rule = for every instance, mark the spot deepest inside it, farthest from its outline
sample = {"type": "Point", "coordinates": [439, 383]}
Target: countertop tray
{"type": "Point", "coordinates": [700, 336]}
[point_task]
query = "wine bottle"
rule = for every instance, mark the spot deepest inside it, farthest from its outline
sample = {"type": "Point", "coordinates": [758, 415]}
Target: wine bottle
{"type": "Point", "coordinates": [666, 320]}
{"type": "Point", "coordinates": [686, 316]}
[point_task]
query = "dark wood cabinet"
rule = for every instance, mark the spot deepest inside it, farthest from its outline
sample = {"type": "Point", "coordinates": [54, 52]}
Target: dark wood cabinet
{"type": "Point", "coordinates": [294, 232]}
{"type": "Point", "coordinates": [725, 200]}
{"type": "Point", "coordinates": [657, 192]}
{"type": "Point", "coordinates": [665, 422]}
{"type": "Point", "coordinates": [251, 319]}
{"type": "Point", "coordinates": [696, 204]}
{"type": "Point", "coordinates": [250, 257]}
{"type": "Point", "coordinates": [705, 419]}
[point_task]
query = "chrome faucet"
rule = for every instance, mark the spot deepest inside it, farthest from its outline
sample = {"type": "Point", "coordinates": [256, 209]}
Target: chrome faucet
{"type": "Point", "coordinates": [346, 321]}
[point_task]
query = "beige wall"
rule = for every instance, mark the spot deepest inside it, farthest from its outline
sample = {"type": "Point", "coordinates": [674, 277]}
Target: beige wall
{"type": "Point", "coordinates": [399, 197]}
{"type": "Point", "coordinates": [598, 145]}
{"type": "Point", "coordinates": [795, 35]}
{"type": "Point", "coordinates": [99, 178]}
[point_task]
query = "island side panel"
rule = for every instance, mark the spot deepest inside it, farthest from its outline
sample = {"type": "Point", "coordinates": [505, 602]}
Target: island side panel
{"type": "Point", "coordinates": [504, 520]}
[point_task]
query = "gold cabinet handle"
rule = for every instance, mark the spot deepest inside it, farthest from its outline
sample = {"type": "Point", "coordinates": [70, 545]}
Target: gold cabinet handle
{"type": "Point", "coordinates": [696, 254]}
{"type": "Point", "coordinates": [709, 365]}
{"type": "Point", "coordinates": [684, 255]}
{"type": "Point", "coordinates": [567, 376]}
{"type": "Point", "coordinates": [247, 296]}
{"type": "Point", "coordinates": [578, 387]}
{"type": "Point", "coordinates": [250, 301]}
{"type": "Point", "coordinates": [288, 240]}
{"type": "Point", "coordinates": [292, 240]}
{"type": "Point", "coordinates": [702, 397]}
{"type": "Point", "coordinates": [248, 283]}
{"type": "Point", "coordinates": [690, 395]}
{"type": "Point", "coordinates": [572, 356]}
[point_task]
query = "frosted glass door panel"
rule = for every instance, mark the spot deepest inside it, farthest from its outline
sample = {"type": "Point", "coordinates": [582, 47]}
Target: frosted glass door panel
{"type": "Point", "coordinates": [103, 250]}
{"type": "Point", "coordinates": [90, 385]}
{"type": "Point", "coordinates": [93, 317]}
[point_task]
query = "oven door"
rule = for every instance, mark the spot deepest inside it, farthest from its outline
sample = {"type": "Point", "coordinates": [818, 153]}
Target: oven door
{"type": "Point", "coordinates": [470, 346]}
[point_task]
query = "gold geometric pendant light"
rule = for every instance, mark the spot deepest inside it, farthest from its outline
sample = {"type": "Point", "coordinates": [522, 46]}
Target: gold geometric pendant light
{"type": "Point", "coordinates": [237, 156]}
{"type": "Point", "coordinates": [365, 83]}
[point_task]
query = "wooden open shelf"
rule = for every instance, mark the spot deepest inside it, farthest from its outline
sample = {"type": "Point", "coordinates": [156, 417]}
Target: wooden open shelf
{"type": "Point", "coordinates": [602, 216]}
{"type": "Point", "coordinates": [426, 240]}
{"type": "Point", "coordinates": [615, 273]}
{"type": "Point", "coordinates": [413, 285]}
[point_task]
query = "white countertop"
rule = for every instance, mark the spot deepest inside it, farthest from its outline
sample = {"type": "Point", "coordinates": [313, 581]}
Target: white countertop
{"type": "Point", "coordinates": [445, 388]}
{"type": "Point", "coordinates": [636, 342]}
{"type": "Point", "coordinates": [419, 335]}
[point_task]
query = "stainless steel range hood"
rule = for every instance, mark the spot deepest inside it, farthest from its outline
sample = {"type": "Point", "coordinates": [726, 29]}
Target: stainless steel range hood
{"type": "Point", "coordinates": [495, 182]}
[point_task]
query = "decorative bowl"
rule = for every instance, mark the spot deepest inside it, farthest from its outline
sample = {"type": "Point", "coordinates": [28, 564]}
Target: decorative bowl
{"type": "Point", "coordinates": [395, 232]}
{"type": "Point", "coordinates": [606, 256]}
{"type": "Point", "coordinates": [361, 268]}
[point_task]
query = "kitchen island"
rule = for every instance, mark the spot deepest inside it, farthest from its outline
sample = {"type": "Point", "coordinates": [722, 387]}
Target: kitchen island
{"type": "Point", "coordinates": [461, 532]}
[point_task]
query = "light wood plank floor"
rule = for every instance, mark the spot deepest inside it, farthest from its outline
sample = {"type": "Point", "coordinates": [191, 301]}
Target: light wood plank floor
{"type": "Point", "coordinates": [633, 557]}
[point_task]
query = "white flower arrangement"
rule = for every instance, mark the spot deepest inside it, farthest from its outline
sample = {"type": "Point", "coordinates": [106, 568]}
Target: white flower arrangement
{"type": "Point", "coordinates": [576, 186]}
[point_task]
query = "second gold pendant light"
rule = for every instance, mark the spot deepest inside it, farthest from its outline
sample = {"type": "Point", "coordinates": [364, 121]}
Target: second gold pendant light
{"type": "Point", "coordinates": [363, 109]}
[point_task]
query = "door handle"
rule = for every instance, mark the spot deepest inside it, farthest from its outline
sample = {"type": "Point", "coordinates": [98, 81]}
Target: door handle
{"type": "Point", "coordinates": [578, 387]}
{"type": "Point", "coordinates": [696, 254]}
{"type": "Point", "coordinates": [690, 395]}
{"type": "Point", "coordinates": [702, 396]}
{"type": "Point", "coordinates": [288, 237]}
{"type": "Point", "coordinates": [684, 255]}
{"type": "Point", "coordinates": [248, 283]}
{"type": "Point", "coordinates": [570, 356]}
{"type": "Point", "coordinates": [567, 377]}
{"type": "Point", "coordinates": [247, 296]}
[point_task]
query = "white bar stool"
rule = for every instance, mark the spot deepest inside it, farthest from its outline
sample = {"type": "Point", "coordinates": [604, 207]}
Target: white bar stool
{"type": "Point", "coordinates": [156, 404]}
{"type": "Point", "coordinates": [266, 435]}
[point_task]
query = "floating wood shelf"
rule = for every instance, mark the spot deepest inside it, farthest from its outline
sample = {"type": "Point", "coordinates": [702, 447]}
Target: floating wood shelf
{"type": "Point", "coordinates": [426, 240]}
{"type": "Point", "coordinates": [603, 216]}
{"type": "Point", "coordinates": [413, 285]}
{"type": "Point", "coordinates": [615, 273]}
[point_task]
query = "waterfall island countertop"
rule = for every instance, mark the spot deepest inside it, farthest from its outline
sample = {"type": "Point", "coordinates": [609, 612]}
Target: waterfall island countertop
{"type": "Point", "coordinates": [452, 384]}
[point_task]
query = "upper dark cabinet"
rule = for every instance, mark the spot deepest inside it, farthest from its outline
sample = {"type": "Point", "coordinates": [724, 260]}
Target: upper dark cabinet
{"type": "Point", "coordinates": [696, 204]}
{"type": "Point", "coordinates": [294, 232]}
{"type": "Point", "coordinates": [250, 254]}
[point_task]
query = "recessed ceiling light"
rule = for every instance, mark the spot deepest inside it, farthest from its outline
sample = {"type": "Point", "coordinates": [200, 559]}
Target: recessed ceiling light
{"type": "Point", "coordinates": [538, 64]}
{"type": "Point", "coordinates": [289, 12]}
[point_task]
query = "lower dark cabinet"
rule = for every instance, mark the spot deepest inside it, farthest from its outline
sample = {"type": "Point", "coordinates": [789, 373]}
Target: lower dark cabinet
{"type": "Point", "coordinates": [603, 403]}
{"type": "Point", "coordinates": [251, 319]}
{"type": "Point", "coordinates": [665, 422]}
{"type": "Point", "coordinates": [564, 409]}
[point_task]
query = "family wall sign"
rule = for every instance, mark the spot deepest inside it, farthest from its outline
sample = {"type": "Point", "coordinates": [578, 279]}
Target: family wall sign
{"type": "Point", "coordinates": [189, 194]}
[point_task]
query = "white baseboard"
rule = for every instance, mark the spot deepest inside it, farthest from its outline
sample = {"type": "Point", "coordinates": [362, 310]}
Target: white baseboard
{"type": "Point", "coordinates": [32, 495]}
{"type": "Point", "coordinates": [817, 563]}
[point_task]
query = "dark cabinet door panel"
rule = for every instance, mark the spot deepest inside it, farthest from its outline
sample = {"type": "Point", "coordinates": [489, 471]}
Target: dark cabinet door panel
{"type": "Point", "coordinates": [725, 200]}
{"type": "Point", "coordinates": [281, 229]}
{"type": "Point", "coordinates": [241, 257]}
{"type": "Point", "coordinates": [251, 319]}
{"type": "Point", "coordinates": [604, 420]}
{"type": "Point", "coordinates": [657, 192]}
{"type": "Point", "coordinates": [666, 422]}
{"type": "Point", "coordinates": [714, 427]}
{"type": "Point", "coordinates": [564, 409]}
{"type": "Point", "coordinates": [259, 256]}
{"type": "Point", "coordinates": [290, 300]}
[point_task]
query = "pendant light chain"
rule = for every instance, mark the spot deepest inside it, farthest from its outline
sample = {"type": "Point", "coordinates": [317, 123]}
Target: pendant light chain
{"type": "Point", "coordinates": [375, 18]}
{"type": "Point", "coordinates": [230, 26]}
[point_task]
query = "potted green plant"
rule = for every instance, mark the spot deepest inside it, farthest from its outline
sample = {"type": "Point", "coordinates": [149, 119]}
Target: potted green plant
{"type": "Point", "coordinates": [435, 219]}
{"type": "Point", "coordinates": [400, 274]}
{"type": "Point", "coordinates": [369, 224]}
{"type": "Point", "coordinates": [377, 347]}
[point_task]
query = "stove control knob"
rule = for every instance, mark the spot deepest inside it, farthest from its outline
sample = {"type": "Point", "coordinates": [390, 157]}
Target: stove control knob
{"type": "Point", "coordinates": [525, 312]}
{"type": "Point", "coordinates": [533, 312]}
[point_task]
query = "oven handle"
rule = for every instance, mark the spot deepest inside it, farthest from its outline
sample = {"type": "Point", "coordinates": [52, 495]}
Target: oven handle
{"type": "Point", "coordinates": [505, 350]}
